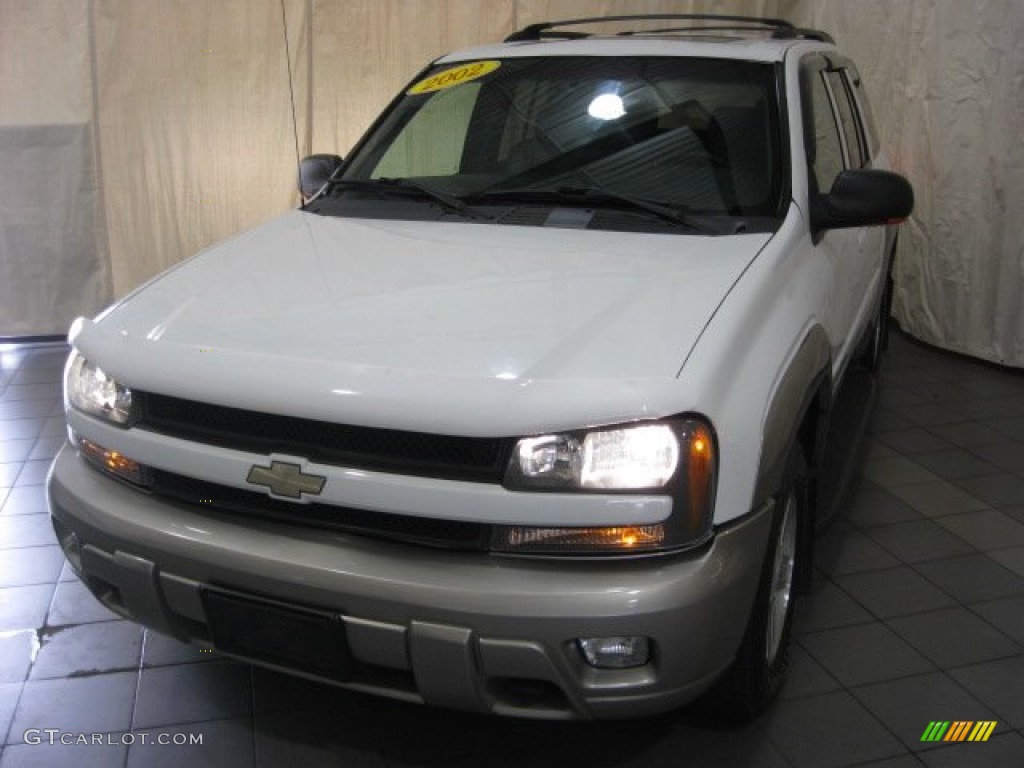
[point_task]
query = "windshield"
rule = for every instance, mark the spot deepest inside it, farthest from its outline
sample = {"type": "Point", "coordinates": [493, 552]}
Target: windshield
{"type": "Point", "coordinates": [668, 139]}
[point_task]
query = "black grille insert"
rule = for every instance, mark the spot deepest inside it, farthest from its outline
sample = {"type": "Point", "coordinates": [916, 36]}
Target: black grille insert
{"type": "Point", "coordinates": [215, 498]}
{"type": "Point", "coordinates": [410, 453]}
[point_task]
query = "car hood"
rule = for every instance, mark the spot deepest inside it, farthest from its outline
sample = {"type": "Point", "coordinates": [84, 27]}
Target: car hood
{"type": "Point", "coordinates": [445, 327]}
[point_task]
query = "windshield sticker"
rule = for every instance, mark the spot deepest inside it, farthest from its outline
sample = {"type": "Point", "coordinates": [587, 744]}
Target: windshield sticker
{"type": "Point", "coordinates": [454, 76]}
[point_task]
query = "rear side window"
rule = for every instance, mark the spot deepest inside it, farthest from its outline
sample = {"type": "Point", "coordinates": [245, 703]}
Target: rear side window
{"type": "Point", "coordinates": [856, 149]}
{"type": "Point", "coordinates": [828, 149]}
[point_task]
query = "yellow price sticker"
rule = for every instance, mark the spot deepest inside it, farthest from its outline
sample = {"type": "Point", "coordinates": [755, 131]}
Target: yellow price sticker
{"type": "Point", "coordinates": [454, 76]}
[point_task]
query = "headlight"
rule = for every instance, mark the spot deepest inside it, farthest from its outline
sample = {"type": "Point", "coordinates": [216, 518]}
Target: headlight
{"type": "Point", "coordinates": [89, 389]}
{"type": "Point", "coordinates": [676, 458]}
{"type": "Point", "coordinates": [631, 458]}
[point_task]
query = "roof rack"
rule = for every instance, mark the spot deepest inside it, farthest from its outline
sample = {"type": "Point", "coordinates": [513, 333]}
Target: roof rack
{"type": "Point", "coordinates": [780, 28]}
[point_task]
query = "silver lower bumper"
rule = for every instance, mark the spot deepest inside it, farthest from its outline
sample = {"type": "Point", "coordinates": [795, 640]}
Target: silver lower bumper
{"type": "Point", "coordinates": [463, 630]}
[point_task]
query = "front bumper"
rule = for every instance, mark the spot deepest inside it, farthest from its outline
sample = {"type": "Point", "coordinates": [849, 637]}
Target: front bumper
{"type": "Point", "coordinates": [463, 630]}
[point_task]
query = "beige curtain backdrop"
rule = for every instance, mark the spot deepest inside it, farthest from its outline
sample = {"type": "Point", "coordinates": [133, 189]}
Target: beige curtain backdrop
{"type": "Point", "coordinates": [133, 134]}
{"type": "Point", "coordinates": [946, 79]}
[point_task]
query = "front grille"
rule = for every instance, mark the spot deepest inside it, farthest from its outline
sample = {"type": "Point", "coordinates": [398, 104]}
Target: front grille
{"type": "Point", "coordinates": [220, 499]}
{"type": "Point", "coordinates": [410, 453]}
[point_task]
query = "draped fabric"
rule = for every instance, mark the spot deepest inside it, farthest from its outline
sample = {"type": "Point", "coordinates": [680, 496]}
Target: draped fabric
{"type": "Point", "coordinates": [134, 134]}
{"type": "Point", "coordinates": [945, 80]}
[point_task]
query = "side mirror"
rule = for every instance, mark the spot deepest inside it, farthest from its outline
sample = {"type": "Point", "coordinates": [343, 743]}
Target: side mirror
{"type": "Point", "coordinates": [314, 171]}
{"type": "Point", "coordinates": [863, 199]}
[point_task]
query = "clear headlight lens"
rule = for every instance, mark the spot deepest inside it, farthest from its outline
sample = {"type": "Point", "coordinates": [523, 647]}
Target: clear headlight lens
{"type": "Point", "coordinates": [630, 458]}
{"type": "Point", "coordinates": [89, 389]}
{"type": "Point", "coordinates": [676, 458]}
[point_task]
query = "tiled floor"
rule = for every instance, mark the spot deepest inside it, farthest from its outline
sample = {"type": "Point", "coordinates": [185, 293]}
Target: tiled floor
{"type": "Point", "coordinates": [917, 614]}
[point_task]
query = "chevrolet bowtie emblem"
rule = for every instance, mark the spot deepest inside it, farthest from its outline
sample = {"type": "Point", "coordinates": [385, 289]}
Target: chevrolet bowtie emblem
{"type": "Point", "coordinates": [284, 479]}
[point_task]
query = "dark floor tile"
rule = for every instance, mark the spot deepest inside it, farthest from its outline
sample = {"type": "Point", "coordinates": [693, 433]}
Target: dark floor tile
{"type": "Point", "coordinates": [896, 592]}
{"type": "Point", "coordinates": [1001, 751]}
{"type": "Point", "coordinates": [89, 649]}
{"type": "Point", "coordinates": [826, 731]}
{"type": "Point", "coordinates": [321, 738]}
{"type": "Point", "coordinates": [913, 441]}
{"type": "Point", "coordinates": [992, 383]}
{"type": "Point", "coordinates": [872, 506]}
{"type": "Point", "coordinates": [866, 653]}
{"type": "Point", "coordinates": [187, 693]}
{"type": "Point", "coordinates": [1012, 558]}
{"type": "Point", "coordinates": [73, 603]}
{"type": "Point", "coordinates": [954, 463]}
{"type": "Point", "coordinates": [55, 426]}
{"type": "Point", "coordinates": [999, 490]}
{"type": "Point", "coordinates": [9, 694]}
{"type": "Point", "coordinates": [842, 551]}
{"type": "Point", "coordinates": [49, 752]}
{"type": "Point", "coordinates": [26, 531]}
{"type": "Point", "coordinates": [976, 408]}
{"type": "Point", "coordinates": [19, 429]}
{"type": "Point", "coordinates": [918, 541]}
{"type": "Point", "coordinates": [938, 499]}
{"type": "Point", "coordinates": [30, 376]}
{"type": "Point", "coordinates": [907, 706]}
{"type": "Point", "coordinates": [17, 649]}
{"type": "Point", "coordinates": [216, 744]}
{"type": "Point", "coordinates": [46, 448]}
{"type": "Point", "coordinates": [954, 637]}
{"type": "Point", "coordinates": [277, 692]}
{"type": "Point", "coordinates": [26, 409]}
{"type": "Point", "coordinates": [1012, 428]}
{"type": "Point", "coordinates": [885, 420]}
{"type": "Point", "coordinates": [14, 449]}
{"type": "Point", "coordinates": [986, 530]}
{"type": "Point", "coordinates": [1006, 615]}
{"type": "Point", "coordinates": [894, 397]}
{"type": "Point", "coordinates": [24, 607]}
{"type": "Point", "coordinates": [897, 471]}
{"type": "Point", "coordinates": [930, 414]}
{"type": "Point", "coordinates": [1006, 456]}
{"type": "Point", "coordinates": [1017, 513]}
{"type": "Point", "coordinates": [30, 565]}
{"type": "Point", "coordinates": [30, 500]}
{"type": "Point", "coordinates": [998, 685]}
{"type": "Point", "coordinates": [805, 676]}
{"type": "Point", "coordinates": [826, 607]}
{"type": "Point", "coordinates": [9, 473]}
{"type": "Point", "coordinates": [972, 578]}
{"type": "Point", "coordinates": [160, 651]}
{"type": "Point", "coordinates": [969, 434]}
{"type": "Point", "coordinates": [47, 391]}
{"type": "Point", "coordinates": [68, 573]}
{"type": "Point", "coordinates": [903, 761]}
{"type": "Point", "coordinates": [34, 473]}
{"type": "Point", "coordinates": [98, 704]}
{"type": "Point", "coordinates": [749, 746]}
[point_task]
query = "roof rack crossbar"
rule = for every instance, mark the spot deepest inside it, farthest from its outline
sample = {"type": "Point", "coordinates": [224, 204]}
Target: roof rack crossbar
{"type": "Point", "coordinates": [780, 28]}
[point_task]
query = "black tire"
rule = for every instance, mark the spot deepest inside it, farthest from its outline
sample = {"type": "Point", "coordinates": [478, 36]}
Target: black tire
{"type": "Point", "coordinates": [759, 670]}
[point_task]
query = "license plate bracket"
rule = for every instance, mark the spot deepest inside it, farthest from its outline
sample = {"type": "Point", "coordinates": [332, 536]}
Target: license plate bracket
{"type": "Point", "coordinates": [296, 637]}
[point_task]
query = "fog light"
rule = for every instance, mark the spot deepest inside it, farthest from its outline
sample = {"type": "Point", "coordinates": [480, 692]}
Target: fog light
{"type": "Point", "coordinates": [114, 462]}
{"type": "Point", "coordinates": [615, 652]}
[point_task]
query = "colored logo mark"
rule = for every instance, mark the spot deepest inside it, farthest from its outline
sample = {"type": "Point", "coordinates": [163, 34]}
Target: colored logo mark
{"type": "Point", "coordinates": [958, 730]}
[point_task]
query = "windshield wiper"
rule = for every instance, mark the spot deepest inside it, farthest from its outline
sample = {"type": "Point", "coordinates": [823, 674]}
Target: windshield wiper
{"type": "Point", "coordinates": [597, 196]}
{"type": "Point", "coordinates": [404, 186]}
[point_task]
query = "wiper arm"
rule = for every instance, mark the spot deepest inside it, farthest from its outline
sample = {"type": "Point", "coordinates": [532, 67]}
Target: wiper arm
{"type": "Point", "coordinates": [403, 186]}
{"type": "Point", "coordinates": [598, 195]}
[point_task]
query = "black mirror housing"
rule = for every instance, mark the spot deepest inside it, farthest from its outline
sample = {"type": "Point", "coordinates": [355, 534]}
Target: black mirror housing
{"type": "Point", "coordinates": [863, 198]}
{"type": "Point", "coordinates": [314, 172]}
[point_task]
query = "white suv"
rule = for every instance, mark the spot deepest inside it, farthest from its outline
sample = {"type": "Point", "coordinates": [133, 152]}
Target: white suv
{"type": "Point", "coordinates": [535, 404]}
